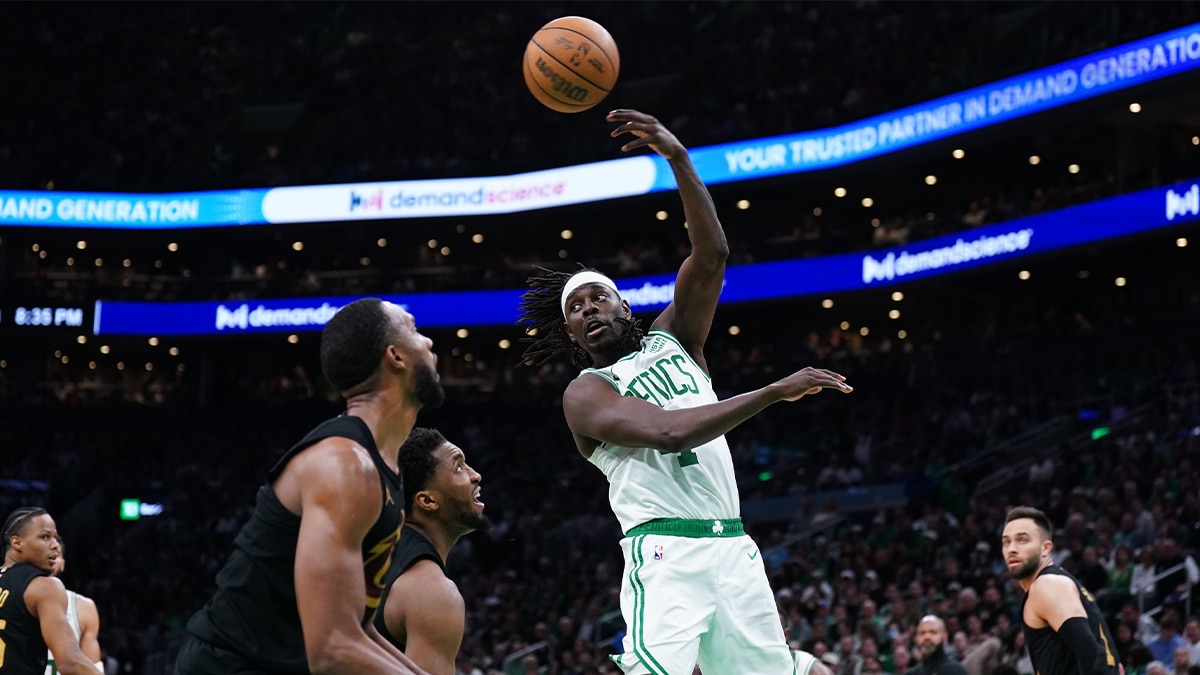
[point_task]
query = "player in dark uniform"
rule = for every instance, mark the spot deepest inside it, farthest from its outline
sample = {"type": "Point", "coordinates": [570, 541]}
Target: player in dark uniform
{"type": "Point", "coordinates": [305, 575]}
{"type": "Point", "coordinates": [1064, 629]}
{"type": "Point", "coordinates": [423, 612]}
{"type": "Point", "coordinates": [33, 604]}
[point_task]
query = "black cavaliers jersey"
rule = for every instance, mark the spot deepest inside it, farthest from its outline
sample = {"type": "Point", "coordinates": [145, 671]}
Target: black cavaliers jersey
{"type": "Point", "coordinates": [413, 548]}
{"type": "Point", "coordinates": [253, 612]}
{"type": "Point", "coordinates": [24, 650]}
{"type": "Point", "coordinates": [1051, 655]}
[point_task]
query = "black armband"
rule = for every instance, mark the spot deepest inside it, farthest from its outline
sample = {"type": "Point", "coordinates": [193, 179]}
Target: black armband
{"type": "Point", "coordinates": [1077, 634]}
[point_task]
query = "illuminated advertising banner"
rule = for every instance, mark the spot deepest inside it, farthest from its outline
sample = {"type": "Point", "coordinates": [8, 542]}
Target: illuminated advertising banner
{"type": "Point", "coordinates": [1105, 219]}
{"type": "Point", "coordinates": [1110, 70]}
{"type": "Point", "coordinates": [1121, 67]}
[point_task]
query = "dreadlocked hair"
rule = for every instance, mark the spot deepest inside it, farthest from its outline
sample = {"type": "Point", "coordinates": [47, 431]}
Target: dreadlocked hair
{"type": "Point", "coordinates": [16, 521]}
{"type": "Point", "coordinates": [542, 317]}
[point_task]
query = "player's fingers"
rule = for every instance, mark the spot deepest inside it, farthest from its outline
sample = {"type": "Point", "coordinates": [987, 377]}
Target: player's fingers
{"type": "Point", "coordinates": [832, 374]}
{"type": "Point", "coordinates": [632, 128]}
{"type": "Point", "coordinates": [629, 114]}
{"type": "Point", "coordinates": [635, 144]}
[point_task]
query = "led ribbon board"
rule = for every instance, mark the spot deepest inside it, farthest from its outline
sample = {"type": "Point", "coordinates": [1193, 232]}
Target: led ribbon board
{"type": "Point", "coordinates": [1097, 221]}
{"type": "Point", "coordinates": [1113, 69]}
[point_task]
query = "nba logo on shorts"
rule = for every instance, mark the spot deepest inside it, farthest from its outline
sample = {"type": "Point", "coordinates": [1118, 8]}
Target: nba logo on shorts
{"type": "Point", "coordinates": [658, 552]}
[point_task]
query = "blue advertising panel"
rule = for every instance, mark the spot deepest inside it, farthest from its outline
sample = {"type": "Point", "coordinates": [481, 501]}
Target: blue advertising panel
{"type": "Point", "coordinates": [1105, 219]}
{"type": "Point", "coordinates": [1171, 53]}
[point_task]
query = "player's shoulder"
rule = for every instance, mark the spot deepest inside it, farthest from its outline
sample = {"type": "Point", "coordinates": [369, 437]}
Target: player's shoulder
{"type": "Point", "coordinates": [1051, 583]}
{"type": "Point", "coordinates": [45, 586]}
{"type": "Point", "coordinates": [337, 453]}
{"type": "Point", "coordinates": [426, 582]}
{"type": "Point", "coordinates": [589, 383]}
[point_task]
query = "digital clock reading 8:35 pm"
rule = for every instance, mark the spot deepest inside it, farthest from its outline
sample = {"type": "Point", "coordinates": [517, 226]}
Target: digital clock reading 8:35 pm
{"type": "Point", "coordinates": [48, 316]}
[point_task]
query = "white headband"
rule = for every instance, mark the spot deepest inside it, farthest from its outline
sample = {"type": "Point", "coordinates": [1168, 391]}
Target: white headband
{"type": "Point", "coordinates": [583, 279]}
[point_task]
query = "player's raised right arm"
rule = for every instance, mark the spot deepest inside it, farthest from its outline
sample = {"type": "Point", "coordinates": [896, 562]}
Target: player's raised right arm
{"type": "Point", "coordinates": [341, 498]}
{"type": "Point", "coordinates": [594, 409]}
{"type": "Point", "coordinates": [698, 285]}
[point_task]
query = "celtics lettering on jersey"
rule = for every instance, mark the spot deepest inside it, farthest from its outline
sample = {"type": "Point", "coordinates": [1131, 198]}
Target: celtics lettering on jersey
{"type": "Point", "coordinates": [665, 379]}
{"type": "Point", "coordinates": [647, 483]}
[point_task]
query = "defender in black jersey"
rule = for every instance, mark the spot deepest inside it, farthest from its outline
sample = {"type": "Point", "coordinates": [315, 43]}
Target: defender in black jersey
{"type": "Point", "coordinates": [423, 612]}
{"type": "Point", "coordinates": [306, 573]}
{"type": "Point", "coordinates": [1064, 629]}
{"type": "Point", "coordinates": [33, 604]}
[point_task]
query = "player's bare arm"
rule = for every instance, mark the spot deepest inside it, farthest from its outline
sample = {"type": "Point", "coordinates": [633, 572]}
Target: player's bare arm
{"type": "Point", "coordinates": [46, 599]}
{"type": "Point", "coordinates": [387, 646]}
{"type": "Point", "coordinates": [337, 486]}
{"type": "Point", "coordinates": [698, 285]}
{"type": "Point", "coordinates": [89, 627]}
{"type": "Point", "coordinates": [597, 412]}
{"type": "Point", "coordinates": [428, 610]}
{"type": "Point", "coordinates": [1052, 600]}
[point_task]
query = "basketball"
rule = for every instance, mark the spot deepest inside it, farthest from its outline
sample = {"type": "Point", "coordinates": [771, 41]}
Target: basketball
{"type": "Point", "coordinates": [571, 64]}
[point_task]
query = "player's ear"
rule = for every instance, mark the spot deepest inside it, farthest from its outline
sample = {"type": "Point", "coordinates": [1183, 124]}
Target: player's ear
{"type": "Point", "coordinates": [567, 329]}
{"type": "Point", "coordinates": [426, 501]}
{"type": "Point", "coordinates": [628, 311]}
{"type": "Point", "coordinates": [394, 357]}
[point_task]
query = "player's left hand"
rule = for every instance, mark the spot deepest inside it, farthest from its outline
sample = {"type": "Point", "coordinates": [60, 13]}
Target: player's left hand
{"type": "Point", "coordinates": [649, 131]}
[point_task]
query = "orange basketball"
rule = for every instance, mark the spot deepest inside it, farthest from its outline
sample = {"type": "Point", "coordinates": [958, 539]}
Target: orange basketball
{"type": "Point", "coordinates": [571, 64]}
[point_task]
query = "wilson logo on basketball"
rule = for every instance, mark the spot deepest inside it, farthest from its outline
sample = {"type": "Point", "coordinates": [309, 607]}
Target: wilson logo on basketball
{"type": "Point", "coordinates": [560, 83]}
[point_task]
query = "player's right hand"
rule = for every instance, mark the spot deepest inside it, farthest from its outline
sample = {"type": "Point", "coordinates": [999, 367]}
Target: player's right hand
{"type": "Point", "coordinates": [810, 381]}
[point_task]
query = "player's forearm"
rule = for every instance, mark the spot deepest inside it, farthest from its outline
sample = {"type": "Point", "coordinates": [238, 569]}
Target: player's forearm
{"type": "Point", "coordinates": [1076, 633]}
{"type": "Point", "coordinates": [357, 657]}
{"type": "Point", "coordinates": [392, 650]}
{"type": "Point", "coordinates": [704, 229]}
{"type": "Point", "coordinates": [75, 666]}
{"type": "Point", "coordinates": [692, 427]}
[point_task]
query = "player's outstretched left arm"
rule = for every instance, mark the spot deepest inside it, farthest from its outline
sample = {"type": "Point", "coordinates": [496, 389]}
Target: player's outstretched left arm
{"type": "Point", "coordinates": [698, 286]}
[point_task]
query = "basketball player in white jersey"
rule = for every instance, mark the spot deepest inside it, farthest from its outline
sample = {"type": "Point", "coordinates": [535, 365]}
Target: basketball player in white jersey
{"type": "Point", "coordinates": [694, 589]}
{"type": "Point", "coordinates": [83, 617]}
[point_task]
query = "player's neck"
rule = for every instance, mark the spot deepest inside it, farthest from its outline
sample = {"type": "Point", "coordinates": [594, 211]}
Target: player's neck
{"type": "Point", "coordinates": [606, 359]}
{"type": "Point", "coordinates": [1028, 581]}
{"type": "Point", "coordinates": [437, 535]}
{"type": "Point", "coordinates": [389, 415]}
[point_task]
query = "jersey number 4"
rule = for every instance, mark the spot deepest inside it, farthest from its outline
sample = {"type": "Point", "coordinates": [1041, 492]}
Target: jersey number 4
{"type": "Point", "coordinates": [688, 458]}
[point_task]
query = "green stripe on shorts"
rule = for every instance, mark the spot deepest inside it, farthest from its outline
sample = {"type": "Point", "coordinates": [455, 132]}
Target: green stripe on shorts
{"type": "Point", "coordinates": [639, 609]}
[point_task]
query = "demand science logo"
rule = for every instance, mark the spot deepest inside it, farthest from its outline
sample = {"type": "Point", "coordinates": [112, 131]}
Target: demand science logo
{"type": "Point", "coordinates": [481, 199]}
{"type": "Point", "coordinates": [243, 318]}
{"type": "Point", "coordinates": [960, 252]}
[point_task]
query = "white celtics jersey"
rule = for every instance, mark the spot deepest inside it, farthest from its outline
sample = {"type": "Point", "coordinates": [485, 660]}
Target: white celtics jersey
{"type": "Point", "coordinates": [73, 619]}
{"type": "Point", "coordinates": [644, 483]}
